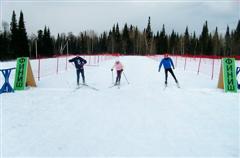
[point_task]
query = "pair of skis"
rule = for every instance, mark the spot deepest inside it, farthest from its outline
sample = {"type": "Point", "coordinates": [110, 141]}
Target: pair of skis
{"type": "Point", "coordinates": [86, 85]}
{"type": "Point", "coordinates": [115, 85]}
{"type": "Point", "coordinates": [165, 86]}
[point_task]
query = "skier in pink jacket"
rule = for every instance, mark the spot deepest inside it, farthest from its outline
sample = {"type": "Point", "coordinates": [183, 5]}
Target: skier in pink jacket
{"type": "Point", "coordinates": [119, 68]}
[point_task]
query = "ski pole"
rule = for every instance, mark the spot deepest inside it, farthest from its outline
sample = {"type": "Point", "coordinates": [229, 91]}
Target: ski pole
{"type": "Point", "coordinates": [125, 77]}
{"type": "Point", "coordinates": [112, 77]}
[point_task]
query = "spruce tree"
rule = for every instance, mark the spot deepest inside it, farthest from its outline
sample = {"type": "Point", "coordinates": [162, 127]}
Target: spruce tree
{"type": "Point", "coordinates": [117, 39]}
{"type": "Point", "coordinates": [163, 41]}
{"type": "Point", "coordinates": [40, 44]}
{"type": "Point", "coordinates": [23, 47]}
{"type": "Point", "coordinates": [216, 43]}
{"type": "Point", "coordinates": [125, 39]}
{"type": "Point", "coordinates": [172, 42]}
{"type": "Point", "coordinates": [236, 40]}
{"type": "Point", "coordinates": [104, 42]}
{"type": "Point", "coordinates": [186, 42]}
{"type": "Point", "coordinates": [194, 44]}
{"type": "Point", "coordinates": [149, 35]}
{"type": "Point", "coordinates": [204, 39]}
{"type": "Point", "coordinates": [210, 45]}
{"type": "Point", "coordinates": [14, 35]}
{"type": "Point", "coordinates": [227, 42]}
{"type": "Point", "coordinates": [136, 41]}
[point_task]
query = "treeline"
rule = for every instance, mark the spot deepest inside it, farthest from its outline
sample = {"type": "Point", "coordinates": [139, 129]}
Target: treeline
{"type": "Point", "coordinates": [129, 40]}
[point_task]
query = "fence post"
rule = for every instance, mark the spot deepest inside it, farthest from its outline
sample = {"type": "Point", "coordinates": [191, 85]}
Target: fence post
{"type": "Point", "coordinates": [212, 68]}
{"type": "Point", "coordinates": [66, 61]}
{"type": "Point", "coordinates": [199, 65]}
{"type": "Point", "coordinates": [57, 65]}
{"type": "Point", "coordinates": [38, 69]}
{"type": "Point", "coordinates": [185, 63]}
{"type": "Point", "coordinates": [176, 61]}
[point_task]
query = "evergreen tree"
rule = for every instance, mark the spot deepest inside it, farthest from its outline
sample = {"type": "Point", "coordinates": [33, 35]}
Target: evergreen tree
{"type": "Point", "coordinates": [216, 43]}
{"type": "Point", "coordinates": [204, 39]}
{"type": "Point", "coordinates": [104, 42]}
{"type": "Point", "coordinates": [163, 41]}
{"type": "Point", "coordinates": [194, 44]}
{"type": "Point", "coordinates": [136, 41]}
{"type": "Point", "coordinates": [40, 44]}
{"type": "Point", "coordinates": [186, 42]}
{"type": "Point", "coordinates": [49, 43]}
{"type": "Point", "coordinates": [110, 47]}
{"type": "Point", "coordinates": [173, 42]}
{"type": "Point", "coordinates": [23, 47]}
{"type": "Point", "coordinates": [113, 42]}
{"type": "Point", "coordinates": [210, 45]}
{"type": "Point", "coordinates": [149, 35]}
{"type": "Point", "coordinates": [125, 39]}
{"type": "Point", "coordinates": [14, 35]}
{"type": "Point", "coordinates": [157, 42]}
{"type": "Point", "coordinates": [227, 42]}
{"type": "Point", "coordinates": [117, 39]}
{"type": "Point", "coordinates": [236, 40]}
{"type": "Point", "coordinates": [131, 40]}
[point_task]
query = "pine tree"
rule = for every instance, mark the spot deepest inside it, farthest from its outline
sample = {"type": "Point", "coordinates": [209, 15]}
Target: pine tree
{"type": "Point", "coordinates": [22, 45]}
{"type": "Point", "coordinates": [204, 39]}
{"type": "Point", "coordinates": [186, 42]}
{"type": "Point", "coordinates": [163, 41]}
{"type": "Point", "coordinates": [125, 39]}
{"type": "Point", "coordinates": [104, 42]}
{"type": "Point", "coordinates": [109, 42]}
{"type": "Point", "coordinates": [216, 43]}
{"type": "Point", "coordinates": [136, 41]}
{"type": "Point", "coordinates": [194, 44]}
{"type": "Point", "coordinates": [172, 42]}
{"type": "Point", "coordinates": [117, 39]}
{"type": "Point", "coordinates": [149, 35]}
{"type": "Point", "coordinates": [227, 42]}
{"type": "Point", "coordinates": [236, 40]}
{"type": "Point", "coordinates": [14, 35]}
{"type": "Point", "coordinates": [210, 45]}
{"type": "Point", "coordinates": [40, 43]}
{"type": "Point", "coordinates": [49, 43]}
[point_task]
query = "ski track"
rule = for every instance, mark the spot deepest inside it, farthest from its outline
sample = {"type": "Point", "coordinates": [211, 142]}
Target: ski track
{"type": "Point", "coordinates": [139, 119]}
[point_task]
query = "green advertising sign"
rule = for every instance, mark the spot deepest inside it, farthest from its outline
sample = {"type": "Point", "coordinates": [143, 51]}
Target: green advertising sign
{"type": "Point", "coordinates": [21, 73]}
{"type": "Point", "coordinates": [229, 75]}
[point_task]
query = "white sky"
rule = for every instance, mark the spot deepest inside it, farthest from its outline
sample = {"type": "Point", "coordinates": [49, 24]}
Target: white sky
{"type": "Point", "coordinates": [100, 15]}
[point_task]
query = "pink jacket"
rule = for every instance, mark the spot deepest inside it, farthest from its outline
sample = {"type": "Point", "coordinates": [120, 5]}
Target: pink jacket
{"type": "Point", "coordinates": [118, 66]}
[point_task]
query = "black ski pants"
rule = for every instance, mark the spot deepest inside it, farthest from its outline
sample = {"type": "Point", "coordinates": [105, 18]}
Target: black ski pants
{"type": "Point", "coordinates": [119, 74]}
{"type": "Point", "coordinates": [78, 75]}
{"type": "Point", "coordinates": [171, 72]}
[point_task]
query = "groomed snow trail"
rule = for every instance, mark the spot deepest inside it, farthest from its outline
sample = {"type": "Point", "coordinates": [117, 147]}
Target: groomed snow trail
{"type": "Point", "coordinates": [139, 119]}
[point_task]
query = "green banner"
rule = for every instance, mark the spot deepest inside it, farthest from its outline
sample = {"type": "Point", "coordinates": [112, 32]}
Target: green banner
{"type": "Point", "coordinates": [21, 73]}
{"type": "Point", "coordinates": [229, 75]}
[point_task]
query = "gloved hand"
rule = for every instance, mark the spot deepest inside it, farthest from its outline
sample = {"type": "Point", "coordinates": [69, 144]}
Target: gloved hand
{"type": "Point", "coordinates": [111, 69]}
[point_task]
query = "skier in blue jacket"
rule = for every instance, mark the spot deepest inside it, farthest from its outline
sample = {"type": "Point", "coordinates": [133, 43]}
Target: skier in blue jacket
{"type": "Point", "coordinates": [79, 63]}
{"type": "Point", "coordinates": [168, 65]}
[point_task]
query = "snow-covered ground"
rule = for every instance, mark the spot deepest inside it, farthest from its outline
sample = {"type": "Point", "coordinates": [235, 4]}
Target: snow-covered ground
{"type": "Point", "coordinates": [139, 119]}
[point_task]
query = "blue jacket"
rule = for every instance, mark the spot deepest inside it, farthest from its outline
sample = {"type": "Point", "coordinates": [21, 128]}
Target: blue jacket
{"type": "Point", "coordinates": [167, 63]}
{"type": "Point", "coordinates": [79, 62]}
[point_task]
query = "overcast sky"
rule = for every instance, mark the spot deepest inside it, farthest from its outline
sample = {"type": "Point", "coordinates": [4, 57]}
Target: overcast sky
{"type": "Point", "coordinates": [100, 15]}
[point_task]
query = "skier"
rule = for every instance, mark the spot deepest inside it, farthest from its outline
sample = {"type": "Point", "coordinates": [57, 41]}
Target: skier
{"type": "Point", "coordinates": [167, 64]}
{"type": "Point", "coordinates": [79, 63]}
{"type": "Point", "coordinates": [119, 69]}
